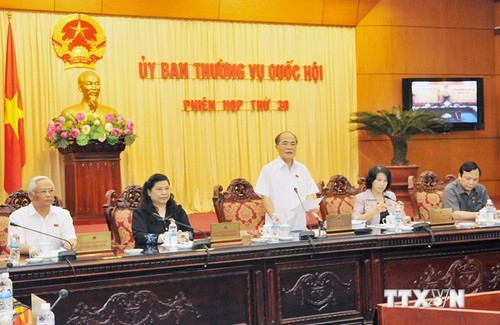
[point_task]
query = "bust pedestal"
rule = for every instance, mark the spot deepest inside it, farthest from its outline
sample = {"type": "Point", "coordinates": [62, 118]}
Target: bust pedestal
{"type": "Point", "coordinates": [90, 171]}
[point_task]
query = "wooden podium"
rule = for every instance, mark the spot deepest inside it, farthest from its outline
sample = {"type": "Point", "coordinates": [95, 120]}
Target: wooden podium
{"type": "Point", "coordinates": [89, 171]}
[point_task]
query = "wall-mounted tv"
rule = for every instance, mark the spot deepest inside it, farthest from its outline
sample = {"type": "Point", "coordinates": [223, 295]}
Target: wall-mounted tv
{"type": "Point", "coordinates": [460, 100]}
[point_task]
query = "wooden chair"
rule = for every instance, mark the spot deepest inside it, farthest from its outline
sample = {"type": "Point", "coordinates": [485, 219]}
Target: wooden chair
{"type": "Point", "coordinates": [339, 195]}
{"type": "Point", "coordinates": [118, 213]}
{"type": "Point", "coordinates": [239, 203]}
{"type": "Point", "coordinates": [14, 201]}
{"type": "Point", "coordinates": [426, 193]}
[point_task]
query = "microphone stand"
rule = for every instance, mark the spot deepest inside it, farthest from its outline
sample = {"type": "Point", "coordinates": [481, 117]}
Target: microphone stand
{"type": "Point", "coordinates": [197, 244]}
{"type": "Point", "coordinates": [304, 234]}
{"type": "Point", "coordinates": [67, 255]}
{"type": "Point", "coordinates": [201, 243]}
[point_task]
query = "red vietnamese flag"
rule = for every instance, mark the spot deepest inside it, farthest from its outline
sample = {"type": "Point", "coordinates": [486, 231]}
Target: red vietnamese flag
{"type": "Point", "coordinates": [15, 156]}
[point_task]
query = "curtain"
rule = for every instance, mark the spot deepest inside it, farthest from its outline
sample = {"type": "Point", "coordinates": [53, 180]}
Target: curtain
{"type": "Point", "coordinates": [196, 150]}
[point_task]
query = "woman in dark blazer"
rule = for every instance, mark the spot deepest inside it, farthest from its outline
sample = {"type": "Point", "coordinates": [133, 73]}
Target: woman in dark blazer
{"type": "Point", "coordinates": [151, 219]}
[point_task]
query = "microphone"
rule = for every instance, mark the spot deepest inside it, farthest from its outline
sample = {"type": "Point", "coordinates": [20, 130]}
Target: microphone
{"type": "Point", "coordinates": [304, 234]}
{"type": "Point", "coordinates": [200, 243]}
{"type": "Point", "coordinates": [69, 255]}
{"type": "Point", "coordinates": [390, 198]}
{"type": "Point", "coordinates": [8, 266]}
{"type": "Point", "coordinates": [63, 293]}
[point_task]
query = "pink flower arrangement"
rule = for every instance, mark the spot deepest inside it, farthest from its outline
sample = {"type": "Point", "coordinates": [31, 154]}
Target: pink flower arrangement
{"type": "Point", "coordinates": [81, 129]}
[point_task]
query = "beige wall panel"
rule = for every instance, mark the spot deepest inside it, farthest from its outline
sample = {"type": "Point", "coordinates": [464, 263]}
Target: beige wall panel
{"type": "Point", "coordinates": [87, 6]}
{"type": "Point", "coordinates": [197, 9]}
{"type": "Point", "coordinates": [442, 13]}
{"type": "Point", "coordinates": [280, 11]}
{"type": "Point", "coordinates": [340, 12]}
{"type": "Point", "coordinates": [28, 4]}
{"type": "Point", "coordinates": [388, 49]}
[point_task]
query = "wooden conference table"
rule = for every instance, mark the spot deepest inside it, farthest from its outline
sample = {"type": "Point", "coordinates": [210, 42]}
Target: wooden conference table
{"type": "Point", "coordinates": [338, 279]}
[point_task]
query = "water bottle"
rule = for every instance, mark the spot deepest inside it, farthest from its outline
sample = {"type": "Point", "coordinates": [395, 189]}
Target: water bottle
{"type": "Point", "coordinates": [15, 250]}
{"type": "Point", "coordinates": [275, 228]}
{"type": "Point", "coordinates": [6, 303]}
{"type": "Point", "coordinates": [172, 234]}
{"type": "Point", "coordinates": [45, 316]}
{"type": "Point", "coordinates": [398, 218]}
{"type": "Point", "coordinates": [490, 210]}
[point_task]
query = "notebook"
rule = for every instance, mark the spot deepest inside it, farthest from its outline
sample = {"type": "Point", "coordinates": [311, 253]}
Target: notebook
{"type": "Point", "coordinates": [338, 223]}
{"type": "Point", "coordinates": [441, 217]}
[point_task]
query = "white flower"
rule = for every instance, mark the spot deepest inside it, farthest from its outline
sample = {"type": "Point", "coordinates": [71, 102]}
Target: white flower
{"type": "Point", "coordinates": [97, 122]}
{"type": "Point", "coordinates": [86, 129]}
{"type": "Point", "coordinates": [108, 127]}
{"type": "Point", "coordinates": [102, 138]}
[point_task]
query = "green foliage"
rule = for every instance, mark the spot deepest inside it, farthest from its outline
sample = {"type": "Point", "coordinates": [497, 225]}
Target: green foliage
{"type": "Point", "coordinates": [400, 126]}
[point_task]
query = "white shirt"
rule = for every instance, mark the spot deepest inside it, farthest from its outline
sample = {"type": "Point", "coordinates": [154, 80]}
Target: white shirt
{"type": "Point", "coordinates": [278, 182]}
{"type": "Point", "coordinates": [57, 223]}
{"type": "Point", "coordinates": [365, 201]}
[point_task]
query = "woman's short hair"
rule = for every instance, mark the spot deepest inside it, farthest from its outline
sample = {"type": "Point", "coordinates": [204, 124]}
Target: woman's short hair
{"type": "Point", "coordinates": [372, 175]}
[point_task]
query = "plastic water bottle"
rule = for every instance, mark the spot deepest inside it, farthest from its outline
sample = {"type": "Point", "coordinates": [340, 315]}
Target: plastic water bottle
{"type": "Point", "coordinates": [45, 316]}
{"type": "Point", "coordinates": [6, 303]}
{"type": "Point", "coordinates": [490, 210]}
{"type": "Point", "coordinates": [398, 218]}
{"type": "Point", "coordinates": [15, 250]}
{"type": "Point", "coordinates": [172, 234]}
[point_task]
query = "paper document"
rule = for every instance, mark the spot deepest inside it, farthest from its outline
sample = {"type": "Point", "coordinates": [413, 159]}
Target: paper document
{"type": "Point", "coordinates": [308, 205]}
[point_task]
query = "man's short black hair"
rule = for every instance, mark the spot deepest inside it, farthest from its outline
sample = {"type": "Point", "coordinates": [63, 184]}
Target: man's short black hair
{"type": "Point", "coordinates": [469, 166]}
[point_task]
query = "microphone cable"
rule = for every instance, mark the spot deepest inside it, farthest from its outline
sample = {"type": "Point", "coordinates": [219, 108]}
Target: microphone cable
{"type": "Point", "coordinates": [71, 266]}
{"type": "Point", "coordinates": [433, 240]}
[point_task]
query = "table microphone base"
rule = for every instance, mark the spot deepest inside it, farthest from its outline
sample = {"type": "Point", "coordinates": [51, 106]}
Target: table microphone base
{"type": "Point", "coordinates": [201, 244]}
{"type": "Point", "coordinates": [67, 256]}
{"type": "Point", "coordinates": [306, 234]}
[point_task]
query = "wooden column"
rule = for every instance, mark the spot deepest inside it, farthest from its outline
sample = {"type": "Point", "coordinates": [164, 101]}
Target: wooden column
{"type": "Point", "coordinates": [90, 171]}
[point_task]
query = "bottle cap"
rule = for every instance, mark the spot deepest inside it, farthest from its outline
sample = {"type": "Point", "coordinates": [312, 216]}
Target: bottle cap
{"type": "Point", "coordinates": [45, 306]}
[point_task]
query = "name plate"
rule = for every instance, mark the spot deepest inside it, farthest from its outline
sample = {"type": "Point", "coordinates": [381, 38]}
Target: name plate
{"type": "Point", "coordinates": [93, 242]}
{"type": "Point", "coordinates": [338, 223]}
{"type": "Point", "coordinates": [225, 231]}
{"type": "Point", "coordinates": [441, 216]}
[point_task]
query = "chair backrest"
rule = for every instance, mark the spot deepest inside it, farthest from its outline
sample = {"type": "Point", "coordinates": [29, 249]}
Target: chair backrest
{"type": "Point", "coordinates": [339, 195]}
{"type": "Point", "coordinates": [14, 201]}
{"type": "Point", "coordinates": [239, 203]}
{"type": "Point", "coordinates": [118, 213]}
{"type": "Point", "coordinates": [426, 193]}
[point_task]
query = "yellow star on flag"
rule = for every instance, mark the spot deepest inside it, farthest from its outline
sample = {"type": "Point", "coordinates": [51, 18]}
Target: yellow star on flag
{"type": "Point", "coordinates": [13, 114]}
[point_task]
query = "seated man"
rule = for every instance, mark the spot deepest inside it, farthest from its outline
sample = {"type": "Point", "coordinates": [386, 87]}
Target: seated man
{"type": "Point", "coordinates": [466, 196]}
{"type": "Point", "coordinates": [41, 215]}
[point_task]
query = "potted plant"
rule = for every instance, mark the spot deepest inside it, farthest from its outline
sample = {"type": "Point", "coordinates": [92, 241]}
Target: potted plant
{"type": "Point", "coordinates": [400, 126]}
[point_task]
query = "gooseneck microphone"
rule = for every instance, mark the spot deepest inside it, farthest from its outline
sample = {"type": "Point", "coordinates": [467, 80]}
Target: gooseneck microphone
{"type": "Point", "coordinates": [304, 234]}
{"type": "Point", "coordinates": [67, 255]}
{"type": "Point", "coordinates": [63, 293]}
{"type": "Point", "coordinates": [199, 243]}
{"type": "Point", "coordinates": [389, 198]}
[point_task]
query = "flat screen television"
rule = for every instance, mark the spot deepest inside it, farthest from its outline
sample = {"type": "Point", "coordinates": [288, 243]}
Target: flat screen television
{"type": "Point", "coordinates": [460, 100]}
